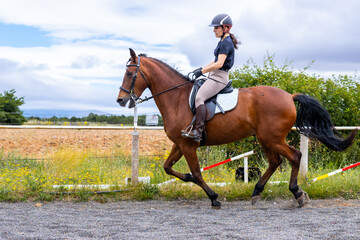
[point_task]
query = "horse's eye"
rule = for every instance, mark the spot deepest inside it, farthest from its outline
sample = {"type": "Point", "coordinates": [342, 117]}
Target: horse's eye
{"type": "Point", "coordinates": [129, 74]}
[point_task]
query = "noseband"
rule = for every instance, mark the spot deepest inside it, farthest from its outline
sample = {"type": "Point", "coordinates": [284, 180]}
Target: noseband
{"type": "Point", "coordinates": [131, 91]}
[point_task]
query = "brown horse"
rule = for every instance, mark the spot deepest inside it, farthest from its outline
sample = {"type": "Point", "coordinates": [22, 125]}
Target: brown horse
{"type": "Point", "coordinates": [268, 113]}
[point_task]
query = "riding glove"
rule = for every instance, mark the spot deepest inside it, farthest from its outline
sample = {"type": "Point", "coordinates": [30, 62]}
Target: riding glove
{"type": "Point", "coordinates": [195, 74]}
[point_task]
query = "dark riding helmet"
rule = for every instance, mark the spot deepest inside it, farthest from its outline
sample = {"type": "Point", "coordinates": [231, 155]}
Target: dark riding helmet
{"type": "Point", "coordinates": [222, 20]}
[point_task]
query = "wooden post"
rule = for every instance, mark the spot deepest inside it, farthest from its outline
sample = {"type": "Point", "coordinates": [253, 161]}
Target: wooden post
{"type": "Point", "coordinates": [135, 151]}
{"type": "Point", "coordinates": [304, 149]}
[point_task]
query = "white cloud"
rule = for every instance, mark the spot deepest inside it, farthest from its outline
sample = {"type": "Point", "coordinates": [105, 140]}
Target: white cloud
{"type": "Point", "coordinates": [85, 64]}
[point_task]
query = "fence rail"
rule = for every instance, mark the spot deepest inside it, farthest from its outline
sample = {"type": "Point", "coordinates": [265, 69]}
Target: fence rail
{"type": "Point", "coordinates": [304, 141]}
{"type": "Point", "coordinates": [117, 127]}
{"type": "Point", "coordinates": [80, 127]}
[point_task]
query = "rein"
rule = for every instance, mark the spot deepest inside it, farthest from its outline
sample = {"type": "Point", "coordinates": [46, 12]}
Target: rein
{"type": "Point", "coordinates": [189, 81]}
{"type": "Point", "coordinates": [148, 98]}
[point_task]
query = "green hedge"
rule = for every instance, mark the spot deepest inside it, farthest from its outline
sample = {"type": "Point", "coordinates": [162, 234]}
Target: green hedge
{"type": "Point", "coordinates": [340, 95]}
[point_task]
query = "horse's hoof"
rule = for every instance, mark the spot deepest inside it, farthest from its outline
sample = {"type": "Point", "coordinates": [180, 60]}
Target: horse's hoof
{"type": "Point", "coordinates": [254, 199]}
{"type": "Point", "coordinates": [304, 199]}
{"type": "Point", "coordinates": [216, 205]}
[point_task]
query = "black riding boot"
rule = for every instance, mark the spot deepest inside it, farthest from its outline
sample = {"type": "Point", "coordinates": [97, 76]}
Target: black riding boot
{"type": "Point", "coordinates": [198, 129]}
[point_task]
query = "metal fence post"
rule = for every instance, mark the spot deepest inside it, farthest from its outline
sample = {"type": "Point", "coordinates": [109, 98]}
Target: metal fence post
{"type": "Point", "coordinates": [304, 149]}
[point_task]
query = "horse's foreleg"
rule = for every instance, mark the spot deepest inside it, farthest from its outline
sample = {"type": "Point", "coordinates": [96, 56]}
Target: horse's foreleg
{"type": "Point", "coordinates": [192, 160]}
{"type": "Point", "coordinates": [173, 158]}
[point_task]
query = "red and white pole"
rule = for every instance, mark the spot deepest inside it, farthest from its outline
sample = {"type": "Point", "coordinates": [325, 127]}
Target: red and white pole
{"type": "Point", "coordinates": [244, 155]}
{"type": "Point", "coordinates": [227, 160]}
{"type": "Point", "coordinates": [335, 172]}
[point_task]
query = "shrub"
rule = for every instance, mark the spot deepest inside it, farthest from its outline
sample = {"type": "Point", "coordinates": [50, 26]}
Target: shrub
{"type": "Point", "coordinates": [340, 95]}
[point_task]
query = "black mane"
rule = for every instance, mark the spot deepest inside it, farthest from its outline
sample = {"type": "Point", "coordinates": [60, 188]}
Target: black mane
{"type": "Point", "coordinates": [166, 65]}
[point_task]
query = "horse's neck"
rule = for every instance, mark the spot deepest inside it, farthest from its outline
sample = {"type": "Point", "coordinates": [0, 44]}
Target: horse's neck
{"type": "Point", "coordinates": [169, 103]}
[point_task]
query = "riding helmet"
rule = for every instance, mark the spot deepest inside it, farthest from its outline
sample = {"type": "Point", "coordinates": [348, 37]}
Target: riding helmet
{"type": "Point", "coordinates": [222, 20]}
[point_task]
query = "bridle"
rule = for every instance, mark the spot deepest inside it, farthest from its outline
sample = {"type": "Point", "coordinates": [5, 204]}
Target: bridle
{"type": "Point", "coordinates": [131, 91]}
{"type": "Point", "coordinates": [133, 96]}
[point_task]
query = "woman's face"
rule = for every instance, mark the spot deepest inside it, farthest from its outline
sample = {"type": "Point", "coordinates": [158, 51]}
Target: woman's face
{"type": "Point", "coordinates": [218, 30]}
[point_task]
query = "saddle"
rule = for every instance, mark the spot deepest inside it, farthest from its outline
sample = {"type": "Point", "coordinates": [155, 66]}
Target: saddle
{"type": "Point", "coordinates": [225, 100]}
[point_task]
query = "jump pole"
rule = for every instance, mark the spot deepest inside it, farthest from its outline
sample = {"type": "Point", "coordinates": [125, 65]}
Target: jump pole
{"type": "Point", "coordinates": [228, 160]}
{"type": "Point", "coordinates": [244, 155]}
{"type": "Point", "coordinates": [335, 172]}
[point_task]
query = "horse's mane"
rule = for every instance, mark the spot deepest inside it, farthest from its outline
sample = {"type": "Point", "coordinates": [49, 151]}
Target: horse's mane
{"type": "Point", "coordinates": [166, 65]}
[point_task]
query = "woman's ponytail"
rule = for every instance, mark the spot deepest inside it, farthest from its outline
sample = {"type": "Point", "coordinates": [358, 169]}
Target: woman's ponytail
{"type": "Point", "coordinates": [234, 40]}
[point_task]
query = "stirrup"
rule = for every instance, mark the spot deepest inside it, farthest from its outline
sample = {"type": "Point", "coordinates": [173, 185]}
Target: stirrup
{"type": "Point", "coordinates": [186, 133]}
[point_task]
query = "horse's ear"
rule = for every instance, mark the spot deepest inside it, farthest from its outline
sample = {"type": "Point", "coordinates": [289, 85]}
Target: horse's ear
{"type": "Point", "coordinates": [133, 55]}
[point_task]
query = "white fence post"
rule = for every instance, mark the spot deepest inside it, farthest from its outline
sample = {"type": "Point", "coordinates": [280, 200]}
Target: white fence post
{"type": "Point", "coordinates": [135, 151]}
{"type": "Point", "coordinates": [246, 169]}
{"type": "Point", "coordinates": [304, 149]}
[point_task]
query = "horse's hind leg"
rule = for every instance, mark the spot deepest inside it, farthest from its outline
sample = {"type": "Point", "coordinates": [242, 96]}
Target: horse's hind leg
{"type": "Point", "coordinates": [192, 160]}
{"type": "Point", "coordinates": [173, 158]}
{"type": "Point", "coordinates": [295, 158]}
{"type": "Point", "coordinates": [274, 160]}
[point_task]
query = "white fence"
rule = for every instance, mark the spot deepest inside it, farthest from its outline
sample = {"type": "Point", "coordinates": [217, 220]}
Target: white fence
{"type": "Point", "coordinates": [78, 127]}
{"type": "Point", "coordinates": [304, 141]}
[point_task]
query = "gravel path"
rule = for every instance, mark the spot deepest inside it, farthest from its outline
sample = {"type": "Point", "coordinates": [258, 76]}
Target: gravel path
{"type": "Point", "coordinates": [280, 219]}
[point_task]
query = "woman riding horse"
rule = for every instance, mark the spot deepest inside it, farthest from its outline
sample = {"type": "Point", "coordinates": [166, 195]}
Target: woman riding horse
{"type": "Point", "coordinates": [259, 106]}
{"type": "Point", "coordinates": [265, 112]}
{"type": "Point", "coordinates": [218, 72]}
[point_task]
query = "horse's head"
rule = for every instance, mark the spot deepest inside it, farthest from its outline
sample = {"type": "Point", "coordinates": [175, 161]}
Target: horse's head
{"type": "Point", "coordinates": [133, 83]}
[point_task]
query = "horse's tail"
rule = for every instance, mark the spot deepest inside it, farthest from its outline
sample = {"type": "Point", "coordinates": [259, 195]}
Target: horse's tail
{"type": "Point", "coordinates": [313, 120]}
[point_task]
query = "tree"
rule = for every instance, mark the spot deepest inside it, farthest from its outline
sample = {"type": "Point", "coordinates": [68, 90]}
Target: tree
{"type": "Point", "coordinates": [9, 108]}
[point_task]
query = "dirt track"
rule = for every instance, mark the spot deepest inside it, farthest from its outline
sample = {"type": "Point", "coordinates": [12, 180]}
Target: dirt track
{"type": "Point", "coordinates": [41, 142]}
{"type": "Point", "coordinates": [281, 219]}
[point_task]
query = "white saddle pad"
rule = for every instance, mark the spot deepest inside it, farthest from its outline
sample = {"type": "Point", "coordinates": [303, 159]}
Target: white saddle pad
{"type": "Point", "coordinates": [227, 101]}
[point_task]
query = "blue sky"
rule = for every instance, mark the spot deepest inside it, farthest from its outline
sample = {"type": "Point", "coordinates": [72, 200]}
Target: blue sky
{"type": "Point", "coordinates": [14, 35]}
{"type": "Point", "coordinates": [72, 54]}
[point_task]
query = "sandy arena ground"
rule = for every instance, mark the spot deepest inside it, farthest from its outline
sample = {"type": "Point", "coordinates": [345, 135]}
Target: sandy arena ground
{"type": "Point", "coordinates": [180, 219]}
{"type": "Point", "coordinates": [40, 142]}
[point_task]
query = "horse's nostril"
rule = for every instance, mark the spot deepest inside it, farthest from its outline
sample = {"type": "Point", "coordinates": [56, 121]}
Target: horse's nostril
{"type": "Point", "coordinates": [119, 100]}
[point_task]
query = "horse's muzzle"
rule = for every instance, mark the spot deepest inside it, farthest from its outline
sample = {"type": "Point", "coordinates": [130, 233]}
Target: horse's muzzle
{"type": "Point", "coordinates": [122, 101]}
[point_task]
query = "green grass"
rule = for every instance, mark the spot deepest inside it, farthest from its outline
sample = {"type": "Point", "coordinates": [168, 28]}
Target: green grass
{"type": "Point", "coordinates": [28, 180]}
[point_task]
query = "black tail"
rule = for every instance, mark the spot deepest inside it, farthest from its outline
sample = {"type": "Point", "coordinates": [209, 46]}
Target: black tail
{"type": "Point", "coordinates": [313, 120]}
